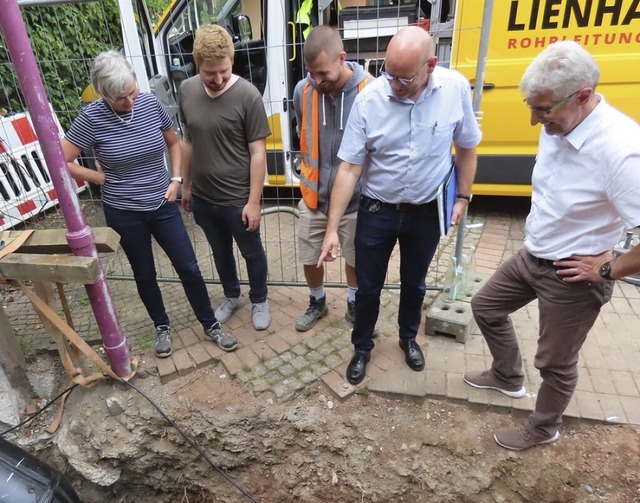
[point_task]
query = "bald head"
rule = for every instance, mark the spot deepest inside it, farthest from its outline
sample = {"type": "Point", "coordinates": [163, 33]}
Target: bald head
{"type": "Point", "coordinates": [410, 44]}
{"type": "Point", "coordinates": [409, 62]}
{"type": "Point", "coordinates": [325, 39]}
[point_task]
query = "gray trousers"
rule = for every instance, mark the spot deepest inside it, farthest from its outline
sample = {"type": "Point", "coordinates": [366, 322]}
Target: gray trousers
{"type": "Point", "coordinates": [567, 311]}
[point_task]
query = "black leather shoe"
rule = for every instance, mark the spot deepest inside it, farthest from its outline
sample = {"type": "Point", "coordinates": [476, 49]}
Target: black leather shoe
{"type": "Point", "coordinates": [357, 366]}
{"type": "Point", "coordinates": [412, 354]}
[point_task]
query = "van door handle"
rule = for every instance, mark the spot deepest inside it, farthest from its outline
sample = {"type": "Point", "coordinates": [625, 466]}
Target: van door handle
{"type": "Point", "coordinates": [487, 85]}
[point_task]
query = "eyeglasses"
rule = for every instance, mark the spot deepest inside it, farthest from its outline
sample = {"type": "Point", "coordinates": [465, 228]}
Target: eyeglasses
{"type": "Point", "coordinates": [549, 111]}
{"type": "Point", "coordinates": [123, 100]}
{"type": "Point", "coordinates": [404, 81]}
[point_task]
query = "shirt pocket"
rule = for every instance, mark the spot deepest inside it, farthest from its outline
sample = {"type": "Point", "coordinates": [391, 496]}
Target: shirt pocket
{"type": "Point", "coordinates": [439, 136]}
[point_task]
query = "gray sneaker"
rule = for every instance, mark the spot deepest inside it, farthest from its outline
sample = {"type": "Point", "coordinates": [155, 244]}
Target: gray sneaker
{"type": "Point", "coordinates": [519, 438]}
{"type": "Point", "coordinates": [486, 380]}
{"type": "Point", "coordinates": [317, 309]}
{"type": "Point", "coordinates": [261, 315]}
{"type": "Point", "coordinates": [227, 308]}
{"type": "Point", "coordinates": [163, 341]}
{"type": "Point", "coordinates": [227, 342]}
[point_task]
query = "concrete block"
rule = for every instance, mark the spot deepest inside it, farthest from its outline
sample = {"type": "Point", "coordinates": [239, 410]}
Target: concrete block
{"type": "Point", "coordinates": [474, 283]}
{"type": "Point", "coordinates": [337, 384]}
{"type": "Point", "coordinates": [199, 355]}
{"type": "Point", "coordinates": [183, 362]}
{"type": "Point", "coordinates": [9, 402]}
{"type": "Point", "coordinates": [452, 319]}
{"type": "Point", "coordinates": [167, 370]}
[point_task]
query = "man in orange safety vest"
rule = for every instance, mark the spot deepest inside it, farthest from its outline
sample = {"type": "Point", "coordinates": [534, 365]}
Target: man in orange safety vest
{"type": "Point", "coordinates": [322, 102]}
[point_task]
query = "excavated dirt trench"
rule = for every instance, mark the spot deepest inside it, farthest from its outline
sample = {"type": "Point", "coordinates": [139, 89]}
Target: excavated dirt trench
{"type": "Point", "coordinates": [116, 448]}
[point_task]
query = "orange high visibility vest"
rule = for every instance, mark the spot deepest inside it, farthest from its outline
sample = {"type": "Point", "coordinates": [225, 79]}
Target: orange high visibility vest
{"type": "Point", "coordinates": [310, 137]}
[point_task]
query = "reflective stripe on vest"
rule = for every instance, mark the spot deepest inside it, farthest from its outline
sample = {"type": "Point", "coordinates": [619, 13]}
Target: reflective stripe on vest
{"type": "Point", "coordinates": [310, 142]}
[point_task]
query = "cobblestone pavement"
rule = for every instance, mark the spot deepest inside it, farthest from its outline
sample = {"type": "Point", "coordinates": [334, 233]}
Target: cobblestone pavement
{"type": "Point", "coordinates": [282, 361]}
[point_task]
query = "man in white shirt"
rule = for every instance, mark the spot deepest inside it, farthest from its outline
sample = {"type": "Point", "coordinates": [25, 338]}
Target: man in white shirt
{"type": "Point", "coordinates": [397, 143]}
{"type": "Point", "coordinates": [585, 192]}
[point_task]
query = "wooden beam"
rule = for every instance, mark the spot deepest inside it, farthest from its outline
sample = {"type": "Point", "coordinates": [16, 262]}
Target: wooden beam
{"type": "Point", "coordinates": [56, 268]}
{"type": "Point", "coordinates": [55, 241]}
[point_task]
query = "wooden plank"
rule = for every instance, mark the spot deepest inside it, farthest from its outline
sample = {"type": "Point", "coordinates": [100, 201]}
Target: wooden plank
{"type": "Point", "coordinates": [56, 268]}
{"type": "Point", "coordinates": [55, 241]}
{"type": "Point", "coordinates": [69, 357]}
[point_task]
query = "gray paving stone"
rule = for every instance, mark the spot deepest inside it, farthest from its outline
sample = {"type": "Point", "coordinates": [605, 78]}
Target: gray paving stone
{"type": "Point", "coordinates": [287, 370]}
{"type": "Point", "coordinates": [314, 357]}
{"type": "Point", "coordinates": [315, 342]}
{"type": "Point", "coordinates": [300, 350]}
{"type": "Point", "coordinates": [299, 363]}
{"type": "Point", "coordinates": [273, 363]}
{"type": "Point", "coordinates": [332, 361]}
{"type": "Point", "coordinates": [325, 349]}
{"type": "Point", "coordinates": [307, 376]}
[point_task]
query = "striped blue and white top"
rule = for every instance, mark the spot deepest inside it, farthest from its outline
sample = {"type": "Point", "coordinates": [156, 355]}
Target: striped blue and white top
{"type": "Point", "coordinates": [130, 148]}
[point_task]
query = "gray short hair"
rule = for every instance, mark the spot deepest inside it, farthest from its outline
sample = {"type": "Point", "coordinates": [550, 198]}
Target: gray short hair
{"type": "Point", "coordinates": [111, 74]}
{"type": "Point", "coordinates": [560, 69]}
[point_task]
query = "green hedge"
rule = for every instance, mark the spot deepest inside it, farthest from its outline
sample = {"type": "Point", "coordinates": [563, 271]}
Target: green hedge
{"type": "Point", "coordinates": [65, 39]}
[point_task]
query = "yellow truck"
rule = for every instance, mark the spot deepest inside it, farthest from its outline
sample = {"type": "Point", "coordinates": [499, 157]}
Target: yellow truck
{"type": "Point", "coordinates": [269, 35]}
{"type": "Point", "coordinates": [520, 29]}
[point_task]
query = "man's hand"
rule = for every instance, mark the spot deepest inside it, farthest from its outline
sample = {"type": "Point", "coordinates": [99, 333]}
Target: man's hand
{"type": "Point", "coordinates": [329, 248]}
{"type": "Point", "coordinates": [186, 199]}
{"type": "Point", "coordinates": [251, 216]}
{"type": "Point", "coordinates": [582, 267]}
{"type": "Point", "coordinates": [459, 209]}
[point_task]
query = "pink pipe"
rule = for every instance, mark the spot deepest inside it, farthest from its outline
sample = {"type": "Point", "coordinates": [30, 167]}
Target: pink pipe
{"type": "Point", "coordinates": [79, 235]}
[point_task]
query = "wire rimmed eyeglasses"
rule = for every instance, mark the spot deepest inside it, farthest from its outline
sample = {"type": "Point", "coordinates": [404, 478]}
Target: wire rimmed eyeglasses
{"type": "Point", "coordinates": [123, 100]}
{"type": "Point", "coordinates": [403, 80]}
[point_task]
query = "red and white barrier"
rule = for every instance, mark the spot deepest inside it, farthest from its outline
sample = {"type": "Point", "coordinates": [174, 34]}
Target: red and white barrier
{"type": "Point", "coordinates": [25, 184]}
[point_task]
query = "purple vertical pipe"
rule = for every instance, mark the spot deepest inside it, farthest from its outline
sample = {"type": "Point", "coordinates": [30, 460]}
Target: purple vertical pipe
{"type": "Point", "coordinates": [79, 234]}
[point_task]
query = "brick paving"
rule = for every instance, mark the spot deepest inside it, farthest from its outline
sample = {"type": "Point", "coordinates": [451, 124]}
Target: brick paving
{"type": "Point", "coordinates": [281, 362]}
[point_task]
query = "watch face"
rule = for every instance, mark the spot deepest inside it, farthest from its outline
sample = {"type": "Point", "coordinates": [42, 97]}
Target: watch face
{"type": "Point", "coordinates": [605, 270]}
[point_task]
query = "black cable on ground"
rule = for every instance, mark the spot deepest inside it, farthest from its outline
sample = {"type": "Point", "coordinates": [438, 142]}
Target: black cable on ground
{"type": "Point", "coordinates": [162, 413]}
{"type": "Point", "coordinates": [193, 444]}
{"type": "Point", "coordinates": [36, 414]}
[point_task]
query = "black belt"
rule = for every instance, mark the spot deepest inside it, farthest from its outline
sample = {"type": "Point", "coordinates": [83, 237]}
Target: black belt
{"type": "Point", "coordinates": [373, 205]}
{"type": "Point", "coordinates": [544, 261]}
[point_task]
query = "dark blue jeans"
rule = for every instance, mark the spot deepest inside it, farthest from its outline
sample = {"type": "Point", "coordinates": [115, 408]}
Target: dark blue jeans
{"type": "Point", "coordinates": [379, 227]}
{"type": "Point", "coordinates": [221, 225]}
{"type": "Point", "coordinates": [165, 224]}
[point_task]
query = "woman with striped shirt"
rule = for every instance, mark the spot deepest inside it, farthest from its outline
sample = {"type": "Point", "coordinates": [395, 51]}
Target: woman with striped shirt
{"type": "Point", "coordinates": [129, 131]}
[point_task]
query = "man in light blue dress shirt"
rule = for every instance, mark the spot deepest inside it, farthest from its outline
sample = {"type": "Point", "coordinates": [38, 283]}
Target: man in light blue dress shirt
{"type": "Point", "coordinates": [398, 142]}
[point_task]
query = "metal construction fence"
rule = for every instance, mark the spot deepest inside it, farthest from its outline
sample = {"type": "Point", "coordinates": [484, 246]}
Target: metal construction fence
{"type": "Point", "coordinates": [64, 56]}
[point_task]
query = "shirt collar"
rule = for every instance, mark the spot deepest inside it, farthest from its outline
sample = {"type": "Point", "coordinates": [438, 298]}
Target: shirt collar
{"type": "Point", "coordinates": [582, 131]}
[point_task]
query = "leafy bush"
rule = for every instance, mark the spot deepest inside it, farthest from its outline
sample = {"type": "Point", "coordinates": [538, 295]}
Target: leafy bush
{"type": "Point", "coordinates": [65, 39]}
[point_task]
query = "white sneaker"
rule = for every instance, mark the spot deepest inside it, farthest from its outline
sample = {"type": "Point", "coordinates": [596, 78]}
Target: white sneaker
{"type": "Point", "coordinates": [227, 308]}
{"type": "Point", "coordinates": [261, 315]}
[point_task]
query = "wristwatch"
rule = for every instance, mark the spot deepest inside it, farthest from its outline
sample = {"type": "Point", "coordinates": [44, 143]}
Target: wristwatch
{"type": "Point", "coordinates": [605, 270]}
{"type": "Point", "coordinates": [467, 197]}
{"type": "Point", "coordinates": [177, 179]}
